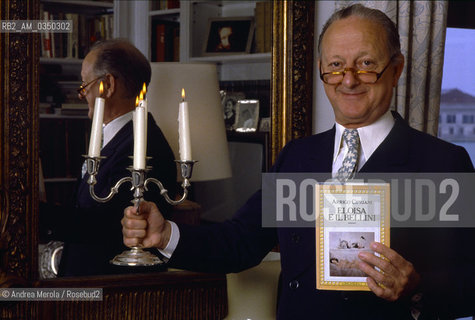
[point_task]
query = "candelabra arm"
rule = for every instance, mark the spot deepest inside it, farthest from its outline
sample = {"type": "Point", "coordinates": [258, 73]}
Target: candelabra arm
{"type": "Point", "coordinates": [164, 192]}
{"type": "Point", "coordinates": [114, 190]}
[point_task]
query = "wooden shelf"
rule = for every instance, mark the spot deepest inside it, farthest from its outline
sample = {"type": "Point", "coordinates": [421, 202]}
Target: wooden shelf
{"type": "Point", "coordinates": [60, 60]}
{"type": "Point", "coordinates": [99, 4]}
{"type": "Point", "coordinates": [167, 12]}
{"type": "Point", "coordinates": [61, 116]}
{"type": "Point", "coordinates": [236, 58]}
{"type": "Point", "coordinates": [59, 180]}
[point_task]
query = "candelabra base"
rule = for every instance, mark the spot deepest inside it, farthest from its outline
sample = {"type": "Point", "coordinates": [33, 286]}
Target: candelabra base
{"type": "Point", "coordinates": [136, 257]}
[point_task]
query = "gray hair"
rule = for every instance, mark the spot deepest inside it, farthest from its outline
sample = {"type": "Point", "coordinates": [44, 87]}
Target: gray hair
{"type": "Point", "coordinates": [374, 15]}
{"type": "Point", "coordinates": [124, 61]}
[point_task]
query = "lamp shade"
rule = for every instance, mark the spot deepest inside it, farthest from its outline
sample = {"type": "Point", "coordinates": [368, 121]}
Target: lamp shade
{"type": "Point", "coordinates": [208, 135]}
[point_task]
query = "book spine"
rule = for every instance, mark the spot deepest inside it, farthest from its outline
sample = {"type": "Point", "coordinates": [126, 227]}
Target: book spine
{"type": "Point", "coordinates": [160, 48]}
{"type": "Point", "coordinates": [268, 26]}
{"type": "Point", "coordinates": [47, 38]}
{"type": "Point", "coordinates": [176, 44]}
{"type": "Point", "coordinates": [260, 27]}
{"type": "Point", "coordinates": [75, 36]}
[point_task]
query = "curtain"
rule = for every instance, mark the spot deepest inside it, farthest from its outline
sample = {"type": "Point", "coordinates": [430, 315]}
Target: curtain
{"type": "Point", "coordinates": [422, 26]}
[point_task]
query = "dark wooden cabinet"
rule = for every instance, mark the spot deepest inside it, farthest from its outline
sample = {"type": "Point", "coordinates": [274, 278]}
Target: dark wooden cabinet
{"type": "Point", "coordinates": [173, 294]}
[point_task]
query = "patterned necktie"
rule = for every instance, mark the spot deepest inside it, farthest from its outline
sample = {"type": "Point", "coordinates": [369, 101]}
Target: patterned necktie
{"type": "Point", "coordinates": [349, 165]}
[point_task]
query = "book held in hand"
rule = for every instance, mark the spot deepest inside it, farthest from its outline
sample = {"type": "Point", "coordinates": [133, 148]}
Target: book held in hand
{"type": "Point", "coordinates": [349, 218]}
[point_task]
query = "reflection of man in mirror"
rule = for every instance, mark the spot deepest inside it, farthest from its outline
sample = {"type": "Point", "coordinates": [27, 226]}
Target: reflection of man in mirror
{"type": "Point", "coordinates": [88, 246]}
{"type": "Point", "coordinates": [229, 113]}
{"type": "Point", "coordinates": [224, 38]}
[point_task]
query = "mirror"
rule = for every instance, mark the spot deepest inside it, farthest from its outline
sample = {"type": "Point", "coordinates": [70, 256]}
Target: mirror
{"type": "Point", "coordinates": [291, 85]}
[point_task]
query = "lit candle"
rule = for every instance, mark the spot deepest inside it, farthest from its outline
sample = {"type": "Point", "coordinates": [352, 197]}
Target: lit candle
{"type": "Point", "coordinates": [95, 143]}
{"type": "Point", "coordinates": [140, 137]}
{"type": "Point", "coordinates": [184, 129]}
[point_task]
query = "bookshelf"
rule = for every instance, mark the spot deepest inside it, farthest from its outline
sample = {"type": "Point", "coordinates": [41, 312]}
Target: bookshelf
{"type": "Point", "coordinates": [192, 20]}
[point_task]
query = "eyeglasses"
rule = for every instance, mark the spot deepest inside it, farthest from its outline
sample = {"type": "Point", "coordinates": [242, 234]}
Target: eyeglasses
{"type": "Point", "coordinates": [368, 77]}
{"type": "Point", "coordinates": [82, 88]}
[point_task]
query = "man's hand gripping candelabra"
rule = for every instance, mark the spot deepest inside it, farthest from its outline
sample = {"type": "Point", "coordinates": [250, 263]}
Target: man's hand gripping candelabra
{"type": "Point", "coordinates": [136, 256]}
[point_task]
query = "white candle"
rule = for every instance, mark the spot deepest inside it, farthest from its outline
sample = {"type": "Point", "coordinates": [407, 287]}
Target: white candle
{"type": "Point", "coordinates": [95, 143]}
{"type": "Point", "coordinates": [140, 138]}
{"type": "Point", "coordinates": [184, 129]}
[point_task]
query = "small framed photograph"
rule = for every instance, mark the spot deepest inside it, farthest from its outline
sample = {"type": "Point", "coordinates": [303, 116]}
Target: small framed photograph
{"type": "Point", "coordinates": [229, 36]}
{"type": "Point", "coordinates": [230, 101]}
{"type": "Point", "coordinates": [247, 115]}
{"type": "Point", "coordinates": [264, 124]}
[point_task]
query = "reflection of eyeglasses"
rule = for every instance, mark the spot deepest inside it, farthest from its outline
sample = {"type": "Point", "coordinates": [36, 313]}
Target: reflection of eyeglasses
{"type": "Point", "coordinates": [82, 88]}
{"type": "Point", "coordinates": [368, 77]}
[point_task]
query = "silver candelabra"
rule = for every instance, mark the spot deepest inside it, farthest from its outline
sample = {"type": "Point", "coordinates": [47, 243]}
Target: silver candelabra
{"type": "Point", "coordinates": [136, 256]}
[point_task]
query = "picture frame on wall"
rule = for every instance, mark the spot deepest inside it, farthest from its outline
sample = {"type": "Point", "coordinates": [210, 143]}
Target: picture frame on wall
{"type": "Point", "coordinates": [247, 112]}
{"type": "Point", "coordinates": [229, 101]}
{"type": "Point", "coordinates": [229, 36]}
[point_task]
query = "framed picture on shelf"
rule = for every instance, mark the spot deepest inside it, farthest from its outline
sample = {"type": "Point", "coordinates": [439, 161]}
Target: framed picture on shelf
{"type": "Point", "coordinates": [264, 124]}
{"type": "Point", "coordinates": [229, 36]}
{"type": "Point", "coordinates": [230, 101]}
{"type": "Point", "coordinates": [247, 115]}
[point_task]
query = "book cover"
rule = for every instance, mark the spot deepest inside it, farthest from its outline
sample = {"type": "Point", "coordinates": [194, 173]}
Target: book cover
{"type": "Point", "coordinates": [349, 217]}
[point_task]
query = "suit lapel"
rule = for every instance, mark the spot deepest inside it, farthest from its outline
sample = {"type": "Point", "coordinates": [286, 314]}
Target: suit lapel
{"type": "Point", "coordinates": [123, 133]}
{"type": "Point", "coordinates": [392, 154]}
{"type": "Point", "coordinates": [320, 153]}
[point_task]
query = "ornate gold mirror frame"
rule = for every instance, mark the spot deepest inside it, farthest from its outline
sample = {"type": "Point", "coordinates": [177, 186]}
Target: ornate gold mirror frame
{"type": "Point", "coordinates": [292, 87]}
{"type": "Point", "coordinates": [292, 72]}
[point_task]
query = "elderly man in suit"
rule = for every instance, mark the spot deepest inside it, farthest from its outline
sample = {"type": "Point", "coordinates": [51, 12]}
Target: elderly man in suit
{"type": "Point", "coordinates": [360, 63]}
{"type": "Point", "coordinates": [88, 247]}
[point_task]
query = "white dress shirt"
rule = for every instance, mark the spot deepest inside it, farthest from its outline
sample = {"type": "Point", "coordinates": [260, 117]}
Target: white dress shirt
{"type": "Point", "coordinates": [111, 129]}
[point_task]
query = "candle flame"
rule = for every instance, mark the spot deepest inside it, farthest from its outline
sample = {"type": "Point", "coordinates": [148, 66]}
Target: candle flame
{"type": "Point", "coordinates": [144, 89]}
{"type": "Point", "coordinates": [141, 95]}
{"type": "Point", "coordinates": [183, 93]}
{"type": "Point", "coordinates": [101, 88]}
{"type": "Point", "coordinates": [137, 101]}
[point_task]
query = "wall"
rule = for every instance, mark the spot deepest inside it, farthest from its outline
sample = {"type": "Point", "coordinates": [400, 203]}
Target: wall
{"type": "Point", "coordinates": [323, 118]}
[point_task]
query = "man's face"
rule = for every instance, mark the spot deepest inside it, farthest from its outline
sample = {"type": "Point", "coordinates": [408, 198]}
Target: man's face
{"type": "Point", "coordinates": [360, 44]}
{"type": "Point", "coordinates": [88, 75]}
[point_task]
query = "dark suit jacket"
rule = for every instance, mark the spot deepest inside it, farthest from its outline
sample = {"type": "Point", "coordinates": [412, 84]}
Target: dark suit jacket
{"type": "Point", "coordinates": [241, 243]}
{"type": "Point", "coordinates": [92, 231]}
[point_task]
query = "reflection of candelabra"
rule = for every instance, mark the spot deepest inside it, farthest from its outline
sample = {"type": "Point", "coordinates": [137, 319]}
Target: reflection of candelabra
{"type": "Point", "coordinates": [136, 256]}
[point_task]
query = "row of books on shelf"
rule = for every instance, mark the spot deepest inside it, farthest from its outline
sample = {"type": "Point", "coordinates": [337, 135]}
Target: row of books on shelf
{"type": "Point", "coordinates": [165, 4]}
{"type": "Point", "coordinates": [86, 31]}
{"type": "Point", "coordinates": [165, 41]}
{"type": "Point", "coordinates": [263, 26]}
